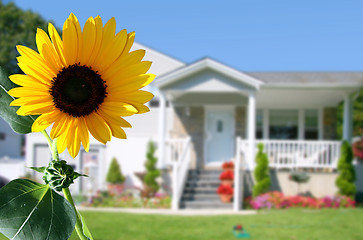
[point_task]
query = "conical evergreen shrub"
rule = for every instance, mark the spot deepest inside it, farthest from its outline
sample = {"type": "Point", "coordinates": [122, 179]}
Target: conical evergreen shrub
{"type": "Point", "coordinates": [345, 180]}
{"type": "Point", "coordinates": [152, 173]}
{"type": "Point", "coordinates": [261, 173]}
{"type": "Point", "coordinates": [114, 174]}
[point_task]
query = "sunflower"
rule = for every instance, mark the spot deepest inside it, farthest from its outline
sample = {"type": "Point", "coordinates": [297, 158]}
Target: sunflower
{"type": "Point", "coordinates": [84, 82]}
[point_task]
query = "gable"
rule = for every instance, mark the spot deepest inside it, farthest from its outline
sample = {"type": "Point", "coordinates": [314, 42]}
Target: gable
{"type": "Point", "coordinates": [208, 80]}
{"type": "Point", "coordinates": [207, 75]}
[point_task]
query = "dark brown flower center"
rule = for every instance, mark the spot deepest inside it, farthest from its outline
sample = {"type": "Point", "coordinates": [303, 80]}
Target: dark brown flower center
{"type": "Point", "coordinates": [78, 90]}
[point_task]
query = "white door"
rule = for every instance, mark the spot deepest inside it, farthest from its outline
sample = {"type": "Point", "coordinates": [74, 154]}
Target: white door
{"type": "Point", "coordinates": [219, 136]}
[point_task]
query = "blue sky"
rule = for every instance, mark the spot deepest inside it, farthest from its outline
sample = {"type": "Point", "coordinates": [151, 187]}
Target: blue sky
{"type": "Point", "coordinates": [249, 35]}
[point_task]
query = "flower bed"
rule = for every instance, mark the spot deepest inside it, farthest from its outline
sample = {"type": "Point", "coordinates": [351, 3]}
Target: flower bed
{"type": "Point", "coordinates": [128, 199]}
{"type": "Point", "coordinates": [279, 200]}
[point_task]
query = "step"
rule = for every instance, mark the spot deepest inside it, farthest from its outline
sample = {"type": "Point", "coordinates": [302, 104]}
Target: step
{"type": "Point", "coordinates": [200, 197]}
{"type": "Point", "coordinates": [197, 190]}
{"type": "Point", "coordinates": [206, 205]}
{"type": "Point", "coordinates": [203, 183]}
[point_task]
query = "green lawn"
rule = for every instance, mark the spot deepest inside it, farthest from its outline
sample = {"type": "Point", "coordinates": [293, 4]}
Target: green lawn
{"type": "Point", "coordinates": [292, 224]}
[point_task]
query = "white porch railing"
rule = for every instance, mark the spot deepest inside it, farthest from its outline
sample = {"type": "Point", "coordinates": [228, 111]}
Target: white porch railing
{"type": "Point", "coordinates": [298, 153]}
{"type": "Point", "coordinates": [178, 151]}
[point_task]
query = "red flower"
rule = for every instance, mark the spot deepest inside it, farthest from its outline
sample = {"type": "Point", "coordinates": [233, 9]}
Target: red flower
{"type": "Point", "coordinates": [227, 175]}
{"type": "Point", "coordinates": [228, 165]}
{"type": "Point", "coordinates": [225, 189]}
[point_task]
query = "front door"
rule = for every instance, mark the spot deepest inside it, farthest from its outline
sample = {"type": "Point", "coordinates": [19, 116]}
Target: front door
{"type": "Point", "coordinates": [219, 132]}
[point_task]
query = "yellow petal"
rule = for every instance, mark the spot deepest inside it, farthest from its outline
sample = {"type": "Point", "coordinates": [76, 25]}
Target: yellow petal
{"type": "Point", "coordinates": [31, 71]}
{"type": "Point", "coordinates": [62, 141]}
{"type": "Point", "coordinates": [27, 91]}
{"type": "Point", "coordinates": [60, 125]}
{"type": "Point", "coordinates": [75, 22]}
{"type": "Point", "coordinates": [139, 96]}
{"type": "Point", "coordinates": [119, 108]}
{"type": "Point", "coordinates": [30, 100]}
{"type": "Point", "coordinates": [47, 51]}
{"type": "Point", "coordinates": [126, 61]}
{"type": "Point", "coordinates": [28, 81]}
{"type": "Point", "coordinates": [44, 121]}
{"type": "Point", "coordinates": [98, 128]}
{"type": "Point", "coordinates": [83, 133]}
{"type": "Point", "coordinates": [57, 43]}
{"type": "Point", "coordinates": [70, 42]}
{"type": "Point", "coordinates": [72, 139]}
{"type": "Point", "coordinates": [35, 109]}
{"type": "Point", "coordinates": [111, 52]}
{"type": "Point", "coordinates": [98, 42]}
{"type": "Point", "coordinates": [108, 37]}
{"type": "Point", "coordinates": [131, 84]}
{"type": "Point", "coordinates": [114, 119]}
{"type": "Point", "coordinates": [130, 71]}
{"type": "Point", "coordinates": [130, 42]}
{"type": "Point", "coordinates": [89, 40]}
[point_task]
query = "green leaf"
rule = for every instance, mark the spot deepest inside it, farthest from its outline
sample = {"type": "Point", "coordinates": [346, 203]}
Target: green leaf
{"type": "Point", "coordinates": [76, 175]}
{"type": "Point", "coordinates": [85, 229]}
{"type": "Point", "coordinates": [20, 124]}
{"type": "Point", "coordinates": [29, 210]}
{"type": "Point", "coordinates": [38, 169]}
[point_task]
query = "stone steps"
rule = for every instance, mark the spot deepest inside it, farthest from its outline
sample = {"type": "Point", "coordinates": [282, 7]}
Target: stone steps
{"type": "Point", "coordinates": [200, 191]}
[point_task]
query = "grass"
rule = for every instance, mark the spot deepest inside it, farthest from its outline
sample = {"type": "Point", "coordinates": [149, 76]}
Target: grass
{"type": "Point", "coordinates": [294, 224]}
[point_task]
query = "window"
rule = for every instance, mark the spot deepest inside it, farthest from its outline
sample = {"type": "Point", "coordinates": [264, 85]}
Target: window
{"type": "Point", "coordinates": [283, 124]}
{"type": "Point", "coordinates": [259, 124]}
{"type": "Point", "coordinates": [311, 128]}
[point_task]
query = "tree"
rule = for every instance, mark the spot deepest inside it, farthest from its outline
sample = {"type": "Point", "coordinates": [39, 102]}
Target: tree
{"type": "Point", "coordinates": [261, 173]}
{"type": "Point", "coordinates": [345, 180]}
{"type": "Point", "coordinates": [17, 27]}
{"type": "Point", "coordinates": [152, 173]}
{"type": "Point", "coordinates": [114, 174]}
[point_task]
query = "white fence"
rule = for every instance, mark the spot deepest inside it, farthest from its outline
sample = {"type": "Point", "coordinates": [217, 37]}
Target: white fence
{"type": "Point", "coordinates": [178, 153]}
{"type": "Point", "coordinates": [298, 153]}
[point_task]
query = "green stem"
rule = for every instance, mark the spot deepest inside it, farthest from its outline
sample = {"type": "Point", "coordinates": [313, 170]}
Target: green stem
{"type": "Point", "coordinates": [68, 196]}
{"type": "Point", "coordinates": [50, 142]}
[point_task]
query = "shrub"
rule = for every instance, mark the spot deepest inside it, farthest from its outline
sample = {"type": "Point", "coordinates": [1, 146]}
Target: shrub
{"type": "Point", "coordinates": [226, 175]}
{"type": "Point", "coordinates": [152, 173]}
{"type": "Point", "coordinates": [345, 180]}
{"type": "Point", "coordinates": [225, 189]}
{"type": "Point", "coordinates": [114, 174]}
{"type": "Point", "coordinates": [261, 174]}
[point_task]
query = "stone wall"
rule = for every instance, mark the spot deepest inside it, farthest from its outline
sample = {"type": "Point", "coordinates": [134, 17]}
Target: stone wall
{"type": "Point", "coordinates": [189, 121]}
{"type": "Point", "coordinates": [330, 123]}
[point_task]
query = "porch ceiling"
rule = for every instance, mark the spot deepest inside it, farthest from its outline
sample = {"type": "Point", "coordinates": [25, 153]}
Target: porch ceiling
{"type": "Point", "coordinates": [301, 97]}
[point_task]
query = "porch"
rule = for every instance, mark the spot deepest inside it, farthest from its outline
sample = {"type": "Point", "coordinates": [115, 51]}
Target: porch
{"type": "Point", "coordinates": [283, 154]}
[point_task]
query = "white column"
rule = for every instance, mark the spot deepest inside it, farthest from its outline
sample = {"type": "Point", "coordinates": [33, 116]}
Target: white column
{"type": "Point", "coordinates": [251, 133]}
{"type": "Point", "coordinates": [347, 118]}
{"type": "Point", "coordinates": [161, 130]}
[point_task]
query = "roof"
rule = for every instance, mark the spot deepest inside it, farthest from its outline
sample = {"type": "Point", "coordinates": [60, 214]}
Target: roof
{"type": "Point", "coordinates": [309, 78]}
{"type": "Point", "coordinates": [203, 64]}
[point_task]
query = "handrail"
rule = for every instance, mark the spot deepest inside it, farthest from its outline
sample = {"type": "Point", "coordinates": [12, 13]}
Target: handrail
{"type": "Point", "coordinates": [300, 153]}
{"type": "Point", "coordinates": [238, 182]}
{"type": "Point", "coordinates": [180, 165]}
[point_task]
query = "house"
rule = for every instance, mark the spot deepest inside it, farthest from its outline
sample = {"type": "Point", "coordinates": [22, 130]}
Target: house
{"type": "Point", "coordinates": [205, 113]}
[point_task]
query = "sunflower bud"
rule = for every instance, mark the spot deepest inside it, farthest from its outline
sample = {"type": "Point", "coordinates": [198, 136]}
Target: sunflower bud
{"type": "Point", "coordinates": [59, 175]}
